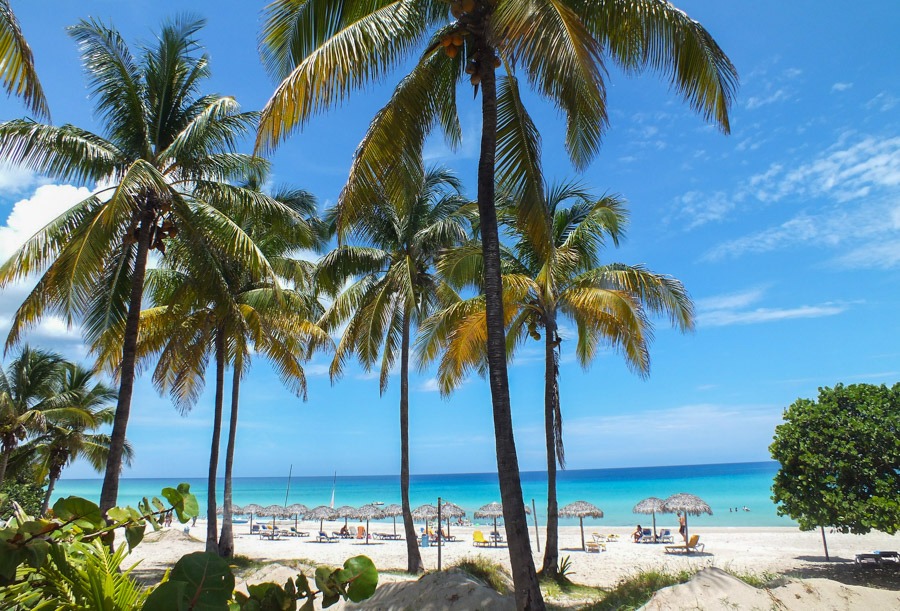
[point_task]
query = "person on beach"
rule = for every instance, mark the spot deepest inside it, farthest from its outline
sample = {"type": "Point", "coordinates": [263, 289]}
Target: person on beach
{"type": "Point", "coordinates": [637, 534]}
{"type": "Point", "coordinates": [344, 531]}
{"type": "Point", "coordinates": [682, 526]}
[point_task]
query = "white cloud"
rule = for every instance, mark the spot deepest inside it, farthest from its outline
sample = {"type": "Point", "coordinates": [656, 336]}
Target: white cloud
{"type": "Point", "coordinates": [779, 95]}
{"type": "Point", "coordinates": [430, 385]}
{"type": "Point", "coordinates": [697, 208]}
{"type": "Point", "coordinates": [841, 87]}
{"type": "Point", "coordinates": [883, 102]}
{"type": "Point", "coordinates": [848, 194]}
{"type": "Point", "coordinates": [735, 309]}
{"type": "Point", "coordinates": [31, 214]}
{"type": "Point", "coordinates": [15, 180]}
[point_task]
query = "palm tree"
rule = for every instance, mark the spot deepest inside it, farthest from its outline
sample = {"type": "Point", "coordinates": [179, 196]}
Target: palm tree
{"type": "Point", "coordinates": [17, 63]}
{"type": "Point", "coordinates": [167, 152]}
{"type": "Point", "coordinates": [323, 50]}
{"type": "Point", "coordinates": [66, 439]}
{"type": "Point", "coordinates": [260, 301]}
{"type": "Point", "coordinates": [394, 289]}
{"type": "Point", "coordinates": [27, 390]}
{"type": "Point", "coordinates": [214, 308]}
{"type": "Point", "coordinates": [562, 278]}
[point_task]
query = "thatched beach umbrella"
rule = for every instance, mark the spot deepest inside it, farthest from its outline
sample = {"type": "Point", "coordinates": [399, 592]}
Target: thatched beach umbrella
{"type": "Point", "coordinates": [392, 511]}
{"type": "Point", "coordinates": [493, 510]}
{"type": "Point", "coordinates": [651, 505]}
{"type": "Point", "coordinates": [346, 512]}
{"type": "Point", "coordinates": [276, 511]}
{"type": "Point", "coordinates": [296, 510]}
{"type": "Point", "coordinates": [425, 512]}
{"type": "Point", "coordinates": [251, 509]}
{"type": "Point", "coordinates": [451, 510]}
{"type": "Point", "coordinates": [369, 512]}
{"type": "Point", "coordinates": [581, 510]}
{"type": "Point", "coordinates": [689, 505]}
{"type": "Point", "coordinates": [321, 513]}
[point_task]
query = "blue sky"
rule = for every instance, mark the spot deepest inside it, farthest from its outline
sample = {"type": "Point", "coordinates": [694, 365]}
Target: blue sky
{"type": "Point", "coordinates": [786, 233]}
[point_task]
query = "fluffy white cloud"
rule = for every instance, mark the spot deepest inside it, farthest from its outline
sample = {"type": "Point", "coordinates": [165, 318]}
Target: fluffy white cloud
{"type": "Point", "coordinates": [31, 214]}
{"type": "Point", "coordinates": [736, 309]}
{"type": "Point", "coordinates": [841, 87]}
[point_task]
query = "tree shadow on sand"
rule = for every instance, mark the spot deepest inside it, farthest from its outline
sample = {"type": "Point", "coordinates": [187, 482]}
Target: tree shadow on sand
{"type": "Point", "coordinates": [846, 571]}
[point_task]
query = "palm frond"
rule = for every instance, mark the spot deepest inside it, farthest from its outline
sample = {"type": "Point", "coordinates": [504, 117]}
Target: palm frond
{"type": "Point", "coordinates": [17, 64]}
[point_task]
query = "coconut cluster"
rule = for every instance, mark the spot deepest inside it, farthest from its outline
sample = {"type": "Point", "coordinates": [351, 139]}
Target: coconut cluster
{"type": "Point", "coordinates": [453, 40]}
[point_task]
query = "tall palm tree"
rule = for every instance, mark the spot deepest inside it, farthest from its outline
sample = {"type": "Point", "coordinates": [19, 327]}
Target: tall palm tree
{"type": "Point", "coordinates": [214, 308]}
{"type": "Point", "coordinates": [259, 301]}
{"type": "Point", "coordinates": [166, 153]}
{"type": "Point", "coordinates": [65, 438]}
{"type": "Point", "coordinates": [17, 63]}
{"type": "Point", "coordinates": [561, 279]}
{"type": "Point", "coordinates": [27, 392]}
{"type": "Point", "coordinates": [322, 51]}
{"type": "Point", "coordinates": [394, 288]}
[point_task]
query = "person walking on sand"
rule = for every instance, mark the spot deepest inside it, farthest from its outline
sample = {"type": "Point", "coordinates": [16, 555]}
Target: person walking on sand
{"type": "Point", "coordinates": [682, 526]}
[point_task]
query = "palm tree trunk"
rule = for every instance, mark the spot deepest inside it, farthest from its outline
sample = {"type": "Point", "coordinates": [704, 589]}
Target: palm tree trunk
{"type": "Point", "coordinates": [226, 538]}
{"type": "Point", "coordinates": [212, 530]}
{"type": "Point", "coordinates": [413, 557]}
{"type": "Point", "coordinates": [550, 567]}
{"type": "Point", "coordinates": [53, 477]}
{"type": "Point", "coordinates": [528, 593]}
{"type": "Point", "coordinates": [4, 459]}
{"type": "Point", "coordinates": [109, 494]}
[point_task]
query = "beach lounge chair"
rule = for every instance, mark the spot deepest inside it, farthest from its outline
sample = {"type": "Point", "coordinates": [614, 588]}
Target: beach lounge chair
{"type": "Point", "coordinates": [478, 539]}
{"type": "Point", "coordinates": [298, 533]}
{"type": "Point", "coordinates": [666, 536]}
{"type": "Point", "coordinates": [324, 537]}
{"type": "Point", "coordinates": [360, 532]}
{"type": "Point", "coordinates": [596, 545]}
{"type": "Point", "coordinates": [612, 538]}
{"type": "Point", "coordinates": [693, 545]}
{"type": "Point", "coordinates": [647, 536]}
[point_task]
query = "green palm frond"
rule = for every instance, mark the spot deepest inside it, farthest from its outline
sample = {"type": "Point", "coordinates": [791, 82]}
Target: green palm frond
{"type": "Point", "coordinates": [653, 33]}
{"type": "Point", "coordinates": [17, 64]}
{"type": "Point", "coordinates": [387, 164]}
{"type": "Point", "coordinates": [64, 152]}
{"type": "Point", "coordinates": [117, 85]}
{"type": "Point", "coordinates": [344, 46]}
{"type": "Point", "coordinates": [563, 62]}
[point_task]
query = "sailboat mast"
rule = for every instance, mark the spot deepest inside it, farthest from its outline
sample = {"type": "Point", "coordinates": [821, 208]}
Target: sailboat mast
{"type": "Point", "coordinates": [288, 491]}
{"type": "Point", "coordinates": [333, 486]}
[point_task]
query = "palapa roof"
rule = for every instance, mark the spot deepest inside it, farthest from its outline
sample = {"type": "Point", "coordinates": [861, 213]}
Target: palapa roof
{"type": "Point", "coordinates": [297, 508]}
{"type": "Point", "coordinates": [253, 508]}
{"type": "Point", "coordinates": [424, 512]}
{"type": "Point", "coordinates": [494, 510]}
{"type": "Point", "coordinates": [322, 512]}
{"type": "Point", "coordinates": [688, 503]}
{"type": "Point", "coordinates": [346, 511]}
{"type": "Point", "coordinates": [649, 505]}
{"type": "Point", "coordinates": [393, 510]}
{"type": "Point", "coordinates": [451, 510]}
{"type": "Point", "coordinates": [581, 509]}
{"type": "Point", "coordinates": [369, 512]}
{"type": "Point", "coordinates": [273, 511]}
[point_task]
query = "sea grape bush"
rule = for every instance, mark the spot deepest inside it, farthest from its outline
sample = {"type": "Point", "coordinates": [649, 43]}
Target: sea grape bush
{"type": "Point", "coordinates": [62, 561]}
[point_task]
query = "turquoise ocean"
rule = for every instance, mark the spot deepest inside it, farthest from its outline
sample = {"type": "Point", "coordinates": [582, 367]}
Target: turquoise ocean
{"type": "Point", "coordinates": [725, 487]}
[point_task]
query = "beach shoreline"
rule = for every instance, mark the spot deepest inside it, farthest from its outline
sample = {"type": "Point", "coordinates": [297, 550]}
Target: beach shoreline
{"type": "Point", "coordinates": [743, 550]}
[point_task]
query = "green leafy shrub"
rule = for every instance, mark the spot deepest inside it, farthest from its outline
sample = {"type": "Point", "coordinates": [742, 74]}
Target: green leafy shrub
{"type": "Point", "coordinates": [487, 571]}
{"type": "Point", "coordinates": [28, 495]}
{"type": "Point", "coordinates": [633, 592]}
{"type": "Point", "coordinates": [62, 562]}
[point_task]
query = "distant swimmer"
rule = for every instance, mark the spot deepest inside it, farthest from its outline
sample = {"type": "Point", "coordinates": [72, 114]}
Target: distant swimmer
{"type": "Point", "coordinates": [746, 508]}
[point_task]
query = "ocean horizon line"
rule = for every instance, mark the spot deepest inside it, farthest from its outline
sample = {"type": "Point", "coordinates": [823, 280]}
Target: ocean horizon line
{"type": "Point", "coordinates": [453, 473]}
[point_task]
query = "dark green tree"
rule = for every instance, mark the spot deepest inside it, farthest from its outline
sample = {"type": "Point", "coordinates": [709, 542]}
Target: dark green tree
{"type": "Point", "coordinates": [840, 460]}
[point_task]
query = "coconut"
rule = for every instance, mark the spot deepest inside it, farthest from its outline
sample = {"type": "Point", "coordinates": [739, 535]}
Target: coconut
{"type": "Point", "coordinates": [458, 39]}
{"type": "Point", "coordinates": [451, 51]}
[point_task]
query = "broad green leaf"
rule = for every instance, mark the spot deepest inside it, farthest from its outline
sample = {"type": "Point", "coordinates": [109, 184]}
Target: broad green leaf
{"type": "Point", "coordinates": [79, 511]}
{"type": "Point", "coordinates": [134, 535]}
{"type": "Point", "coordinates": [208, 578]}
{"type": "Point", "coordinates": [362, 576]}
{"type": "Point", "coordinates": [168, 596]}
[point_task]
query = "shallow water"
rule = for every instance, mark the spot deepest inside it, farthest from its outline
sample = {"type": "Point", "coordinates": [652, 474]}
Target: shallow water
{"type": "Point", "coordinates": [723, 486]}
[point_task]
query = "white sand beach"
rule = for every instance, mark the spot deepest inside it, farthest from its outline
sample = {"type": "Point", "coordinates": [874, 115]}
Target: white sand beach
{"type": "Point", "coordinates": [754, 551]}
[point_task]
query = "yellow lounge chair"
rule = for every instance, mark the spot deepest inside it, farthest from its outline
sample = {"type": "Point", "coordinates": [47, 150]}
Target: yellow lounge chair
{"type": "Point", "coordinates": [693, 545]}
{"type": "Point", "coordinates": [478, 539]}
